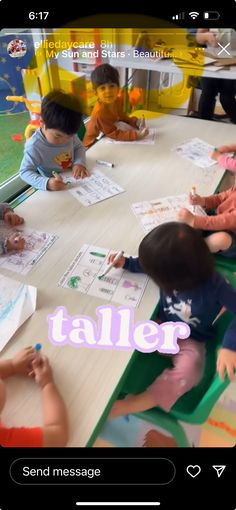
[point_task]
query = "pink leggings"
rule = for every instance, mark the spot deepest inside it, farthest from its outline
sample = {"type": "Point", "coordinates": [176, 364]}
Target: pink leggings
{"type": "Point", "coordinates": [187, 371]}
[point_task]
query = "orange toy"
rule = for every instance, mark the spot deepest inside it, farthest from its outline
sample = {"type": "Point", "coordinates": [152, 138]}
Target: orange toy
{"type": "Point", "coordinates": [34, 107]}
{"type": "Point", "coordinates": [136, 98]}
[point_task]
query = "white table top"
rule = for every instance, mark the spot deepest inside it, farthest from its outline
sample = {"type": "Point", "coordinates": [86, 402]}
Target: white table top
{"type": "Point", "coordinates": [167, 66]}
{"type": "Point", "coordinates": [87, 378]}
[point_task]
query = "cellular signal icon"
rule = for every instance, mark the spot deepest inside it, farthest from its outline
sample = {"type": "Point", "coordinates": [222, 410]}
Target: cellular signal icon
{"type": "Point", "coordinates": [193, 14]}
{"type": "Point", "coordinates": [178, 16]}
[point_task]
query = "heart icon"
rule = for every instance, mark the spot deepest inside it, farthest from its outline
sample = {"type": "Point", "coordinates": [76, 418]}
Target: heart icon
{"type": "Point", "coordinates": [193, 470]}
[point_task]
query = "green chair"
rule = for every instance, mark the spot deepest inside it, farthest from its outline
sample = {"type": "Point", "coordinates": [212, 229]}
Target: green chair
{"type": "Point", "coordinates": [227, 267]}
{"type": "Point", "coordinates": [81, 131]}
{"type": "Point", "coordinates": [195, 406]}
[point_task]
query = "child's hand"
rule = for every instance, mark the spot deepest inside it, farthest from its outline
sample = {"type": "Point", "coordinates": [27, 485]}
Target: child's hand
{"type": "Point", "coordinates": [215, 154]}
{"type": "Point", "coordinates": [196, 200]}
{"type": "Point", "coordinates": [185, 216]}
{"type": "Point", "coordinates": [79, 171]}
{"type": "Point", "coordinates": [22, 361]}
{"type": "Point", "coordinates": [15, 242]}
{"type": "Point", "coordinates": [141, 123]}
{"type": "Point", "coordinates": [212, 39]}
{"type": "Point", "coordinates": [142, 134]}
{"type": "Point", "coordinates": [226, 361]}
{"type": "Point", "coordinates": [55, 184]}
{"type": "Point", "coordinates": [42, 371]}
{"type": "Point", "coordinates": [12, 219]}
{"type": "Point", "coordinates": [119, 263]}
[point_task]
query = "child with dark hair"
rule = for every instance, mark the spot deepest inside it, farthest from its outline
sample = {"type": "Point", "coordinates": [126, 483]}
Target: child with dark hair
{"type": "Point", "coordinates": [55, 147]}
{"type": "Point", "coordinates": [108, 111]}
{"type": "Point", "coordinates": [176, 257]}
{"type": "Point", "coordinates": [219, 226]}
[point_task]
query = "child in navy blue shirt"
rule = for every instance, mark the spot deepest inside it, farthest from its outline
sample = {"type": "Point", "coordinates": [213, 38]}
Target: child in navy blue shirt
{"type": "Point", "coordinates": [176, 257]}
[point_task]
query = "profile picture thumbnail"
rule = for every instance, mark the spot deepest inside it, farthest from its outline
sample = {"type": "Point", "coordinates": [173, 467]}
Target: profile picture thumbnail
{"type": "Point", "coordinates": [16, 48]}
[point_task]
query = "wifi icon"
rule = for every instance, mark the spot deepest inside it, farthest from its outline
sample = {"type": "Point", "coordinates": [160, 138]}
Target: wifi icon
{"type": "Point", "coordinates": [193, 14]}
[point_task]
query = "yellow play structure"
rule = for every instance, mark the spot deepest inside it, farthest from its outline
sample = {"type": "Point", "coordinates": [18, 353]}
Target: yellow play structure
{"type": "Point", "coordinates": [34, 107]}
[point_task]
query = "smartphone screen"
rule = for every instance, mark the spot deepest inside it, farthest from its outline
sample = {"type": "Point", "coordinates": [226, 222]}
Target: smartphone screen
{"type": "Point", "coordinates": [117, 256]}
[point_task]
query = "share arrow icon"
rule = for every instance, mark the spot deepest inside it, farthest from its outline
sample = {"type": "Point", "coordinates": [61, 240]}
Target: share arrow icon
{"type": "Point", "coordinates": [219, 470]}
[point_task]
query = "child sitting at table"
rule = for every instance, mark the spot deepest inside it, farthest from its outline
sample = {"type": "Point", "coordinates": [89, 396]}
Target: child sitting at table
{"type": "Point", "coordinates": [219, 228]}
{"type": "Point", "coordinates": [14, 240]}
{"type": "Point", "coordinates": [108, 111]}
{"type": "Point", "coordinates": [178, 260]}
{"type": "Point", "coordinates": [221, 154]}
{"type": "Point", "coordinates": [54, 431]}
{"type": "Point", "coordinates": [55, 147]}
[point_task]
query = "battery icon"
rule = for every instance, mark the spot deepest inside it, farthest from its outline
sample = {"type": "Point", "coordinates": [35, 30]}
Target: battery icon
{"type": "Point", "coordinates": [212, 15]}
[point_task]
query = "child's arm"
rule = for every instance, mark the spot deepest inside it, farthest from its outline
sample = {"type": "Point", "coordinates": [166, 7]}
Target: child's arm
{"type": "Point", "coordinates": [29, 173]}
{"type": "Point", "coordinates": [28, 170]}
{"type": "Point", "coordinates": [79, 160]}
{"type": "Point", "coordinates": [204, 36]}
{"type": "Point", "coordinates": [4, 208]}
{"type": "Point", "coordinates": [212, 201]}
{"type": "Point", "coordinates": [12, 218]}
{"type": "Point", "coordinates": [224, 221]}
{"type": "Point", "coordinates": [55, 423]}
{"type": "Point", "coordinates": [7, 214]}
{"type": "Point", "coordinates": [109, 129]}
{"type": "Point", "coordinates": [133, 121]}
{"type": "Point", "coordinates": [20, 364]}
{"type": "Point", "coordinates": [227, 162]}
{"type": "Point", "coordinates": [226, 360]}
{"type": "Point", "coordinates": [12, 243]}
{"type": "Point", "coordinates": [227, 148]}
{"type": "Point", "coordinates": [129, 263]}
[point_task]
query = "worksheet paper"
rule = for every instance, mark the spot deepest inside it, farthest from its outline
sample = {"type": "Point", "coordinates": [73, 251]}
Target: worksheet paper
{"type": "Point", "coordinates": [197, 151]}
{"type": "Point", "coordinates": [161, 210]}
{"type": "Point", "coordinates": [17, 304]}
{"type": "Point", "coordinates": [93, 189]}
{"type": "Point", "coordinates": [36, 245]}
{"type": "Point", "coordinates": [118, 285]}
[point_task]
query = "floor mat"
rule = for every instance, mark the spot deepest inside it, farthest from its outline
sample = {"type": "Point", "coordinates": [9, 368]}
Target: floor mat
{"type": "Point", "coordinates": [218, 431]}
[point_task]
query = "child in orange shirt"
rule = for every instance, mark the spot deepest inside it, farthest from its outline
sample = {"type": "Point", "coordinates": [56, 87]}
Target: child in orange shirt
{"type": "Point", "coordinates": [54, 431]}
{"type": "Point", "coordinates": [108, 110]}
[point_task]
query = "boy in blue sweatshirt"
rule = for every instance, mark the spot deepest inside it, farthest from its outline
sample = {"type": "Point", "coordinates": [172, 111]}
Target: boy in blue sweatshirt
{"type": "Point", "coordinates": [55, 147]}
{"type": "Point", "coordinates": [176, 257]}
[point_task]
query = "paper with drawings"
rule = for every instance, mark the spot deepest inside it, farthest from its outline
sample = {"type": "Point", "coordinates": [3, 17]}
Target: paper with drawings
{"type": "Point", "coordinates": [93, 189]}
{"type": "Point", "coordinates": [118, 285]}
{"type": "Point", "coordinates": [36, 245]}
{"type": "Point", "coordinates": [17, 304]}
{"type": "Point", "coordinates": [161, 210]}
{"type": "Point", "coordinates": [197, 151]}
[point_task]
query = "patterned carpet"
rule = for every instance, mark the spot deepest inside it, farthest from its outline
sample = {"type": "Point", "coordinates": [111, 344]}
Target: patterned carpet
{"type": "Point", "coordinates": [218, 431]}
